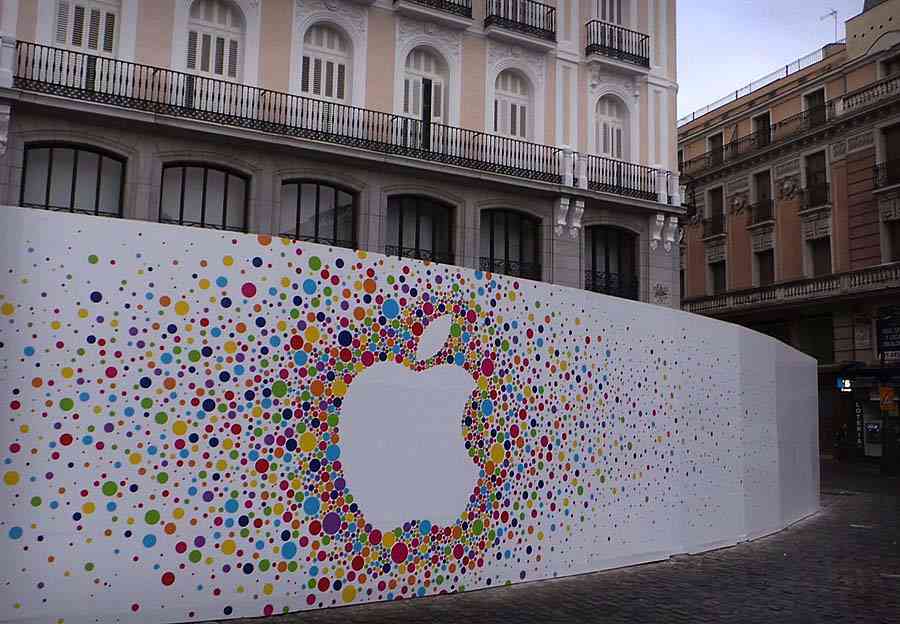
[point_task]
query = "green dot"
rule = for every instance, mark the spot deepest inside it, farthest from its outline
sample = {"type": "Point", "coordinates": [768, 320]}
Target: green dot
{"type": "Point", "coordinates": [162, 477]}
{"type": "Point", "coordinates": [110, 488]}
{"type": "Point", "coordinates": [315, 263]}
{"type": "Point", "coordinates": [194, 356]}
{"type": "Point", "coordinates": [89, 566]}
{"type": "Point", "coordinates": [195, 556]}
{"type": "Point", "coordinates": [36, 501]}
{"type": "Point", "coordinates": [477, 527]}
{"type": "Point", "coordinates": [161, 418]}
{"type": "Point", "coordinates": [93, 259]}
{"type": "Point", "coordinates": [264, 565]}
{"type": "Point", "coordinates": [151, 517]}
{"type": "Point", "coordinates": [279, 388]}
{"type": "Point", "coordinates": [66, 404]}
{"type": "Point", "coordinates": [455, 330]}
{"type": "Point", "coordinates": [147, 403]}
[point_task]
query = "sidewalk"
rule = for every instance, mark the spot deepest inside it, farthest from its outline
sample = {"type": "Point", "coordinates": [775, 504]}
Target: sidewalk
{"type": "Point", "coordinates": [841, 565]}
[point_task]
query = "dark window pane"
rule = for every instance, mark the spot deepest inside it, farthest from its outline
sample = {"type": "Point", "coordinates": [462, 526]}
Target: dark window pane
{"type": "Point", "coordinates": [308, 211]}
{"type": "Point", "coordinates": [215, 198]}
{"type": "Point", "coordinates": [345, 218]}
{"type": "Point", "coordinates": [86, 181]}
{"type": "Point", "coordinates": [287, 219]}
{"type": "Point", "coordinates": [171, 194]}
{"type": "Point", "coordinates": [236, 213]}
{"type": "Point", "coordinates": [193, 194]}
{"type": "Point", "coordinates": [110, 182]}
{"type": "Point", "coordinates": [326, 214]}
{"type": "Point", "coordinates": [34, 187]}
{"type": "Point", "coordinates": [61, 177]}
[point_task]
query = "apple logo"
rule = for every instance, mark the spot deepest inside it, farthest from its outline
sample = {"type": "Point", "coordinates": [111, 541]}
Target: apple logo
{"type": "Point", "coordinates": [404, 455]}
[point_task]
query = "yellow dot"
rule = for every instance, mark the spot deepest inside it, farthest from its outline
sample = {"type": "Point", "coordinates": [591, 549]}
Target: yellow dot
{"type": "Point", "coordinates": [388, 540]}
{"type": "Point", "coordinates": [88, 508]}
{"type": "Point", "coordinates": [179, 427]}
{"type": "Point", "coordinates": [267, 589]}
{"type": "Point", "coordinates": [230, 346]}
{"type": "Point", "coordinates": [178, 513]}
{"type": "Point", "coordinates": [11, 477]}
{"type": "Point", "coordinates": [307, 442]}
{"type": "Point", "coordinates": [339, 388]}
{"type": "Point", "coordinates": [497, 453]}
{"type": "Point", "coordinates": [228, 547]}
{"type": "Point", "coordinates": [7, 309]}
{"type": "Point", "coordinates": [82, 313]}
{"type": "Point", "coordinates": [67, 372]}
{"type": "Point", "coordinates": [135, 458]}
{"type": "Point", "coordinates": [348, 593]}
{"type": "Point", "coordinates": [182, 308]}
{"type": "Point", "coordinates": [203, 283]}
{"type": "Point", "coordinates": [227, 260]}
{"type": "Point", "coordinates": [311, 334]}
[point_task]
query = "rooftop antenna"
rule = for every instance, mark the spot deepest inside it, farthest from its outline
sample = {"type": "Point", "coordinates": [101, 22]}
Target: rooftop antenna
{"type": "Point", "coordinates": [834, 15]}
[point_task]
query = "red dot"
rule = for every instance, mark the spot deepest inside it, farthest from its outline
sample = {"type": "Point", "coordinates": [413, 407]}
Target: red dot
{"type": "Point", "coordinates": [311, 599]}
{"type": "Point", "coordinates": [168, 578]}
{"type": "Point", "coordinates": [111, 372]}
{"type": "Point", "coordinates": [399, 552]}
{"type": "Point", "coordinates": [315, 527]}
{"type": "Point", "coordinates": [458, 551]}
{"type": "Point", "coordinates": [487, 367]}
{"type": "Point", "coordinates": [65, 439]}
{"type": "Point", "coordinates": [323, 584]}
{"type": "Point", "coordinates": [368, 359]}
{"type": "Point", "coordinates": [296, 342]}
{"type": "Point", "coordinates": [261, 465]}
{"type": "Point", "coordinates": [248, 290]}
{"type": "Point", "coordinates": [375, 536]}
{"type": "Point", "coordinates": [357, 563]}
{"type": "Point", "coordinates": [417, 329]}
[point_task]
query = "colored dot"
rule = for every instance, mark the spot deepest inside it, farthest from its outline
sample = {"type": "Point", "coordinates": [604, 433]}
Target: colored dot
{"type": "Point", "coordinates": [331, 523]}
{"type": "Point", "coordinates": [110, 488]}
{"type": "Point", "coordinates": [315, 263]}
{"type": "Point", "coordinates": [15, 532]}
{"type": "Point", "coordinates": [227, 260]}
{"type": "Point", "coordinates": [93, 259]}
{"type": "Point", "coordinates": [7, 309]}
{"type": "Point", "coordinates": [66, 404]}
{"type": "Point", "coordinates": [179, 427]}
{"type": "Point", "coordinates": [96, 296]}
{"type": "Point", "coordinates": [311, 505]}
{"type": "Point", "coordinates": [279, 388]}
{"type": "Point", "coordinates": [168, 578]}
{"type": "Point", "coordinates": [348, 593]}
{"type": "Point", "coordinates": [149, 541]}
{"type": "Point", "coordinates": [151, 517]}
{"type": "Point", "coordinates": [399, 552]}
{"type": "Point", "coordinates": [307, 442]}
{"type": "Point", "coordinates": [309, 286]}
{"type": "Point", "coordinates": [289, 550]}
{"type": "Point", "coordinates": [248, 290]}
{"type": "Point", "coordinates": [228, 547]}
{"type": "Point", "coordinates": [11, 477]}
{"type": "Point", "coordinates": [182, 308]}
{"type": "Point", "coordinates": [390, 309]}
{"type": "Point", "coordinates": [497, 453]}
{"type": "Point", "coordinates": [487, 407]}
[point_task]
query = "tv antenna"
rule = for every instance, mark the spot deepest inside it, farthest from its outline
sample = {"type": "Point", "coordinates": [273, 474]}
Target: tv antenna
{"type": "Point", "coordinates": [834, 15]}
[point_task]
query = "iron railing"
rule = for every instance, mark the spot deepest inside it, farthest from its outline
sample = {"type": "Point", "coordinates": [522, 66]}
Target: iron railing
{"type": "Point", "coordinates": [618, 43]}
{"type": "Point", "coordinates": [777, 132]}
{"type": "Point", "coordinates": [621, 178]}
{"type": "Point", "coordinates": [462, 8]}
{"type": "Point", "coordinates": [322, 240]}
{"type": "Point", "coordinates": [623, 285]}
{"type": "Point", "coordinates": [525, 16]}
{"type": "Point", "coordinates": [815, 196]}
{"type": "Point", "coordinates": [762, 211]}
{"type": "Point", "coordinates": [714, 226]}
{"type": "Point", "coordinates": [527, 270]}
{"type": "Point", "coordinates": [887, 173]}
{"type": "Point", "coordinates": [161, 91]}
{"type": "Point", "coordinates": [416, 253]}
{"type": "Point", "coordinates": [870, 94]}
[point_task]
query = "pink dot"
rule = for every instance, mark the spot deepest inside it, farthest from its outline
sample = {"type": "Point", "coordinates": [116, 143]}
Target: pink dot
{"type": "Point", "coordinates": [248, 290]}
{"type": "Point", "coordinates": [111, 372]}
{"type": "Point", "coordinates": [399, 552]}
{"type": "Point", "coordinates": [487, 367]}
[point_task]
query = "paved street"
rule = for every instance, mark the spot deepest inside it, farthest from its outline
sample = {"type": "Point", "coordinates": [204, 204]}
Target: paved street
{"type": "Point", "coordinates": [841, 565]}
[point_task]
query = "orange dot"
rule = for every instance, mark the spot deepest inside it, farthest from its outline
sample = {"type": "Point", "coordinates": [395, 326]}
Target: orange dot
{"type": "Point", "coordinates": [369, 286]}
{"type": "Point", "coordinates": [169, 383]}
{"type": "Point", "coordinates": [240, 328]}
{"type": "Point", "coordinates": [37, 382]}
{"type": "Point", "coordinates": [165, 300]}
{"type": "Point", "coordinates": [170, 528]}
{"type": "Point", "coordinates": [317, 388]}
{"type": "Point", "coordinates": [359, 314]}
{"type": "Point", "coordinates": [264, 239]}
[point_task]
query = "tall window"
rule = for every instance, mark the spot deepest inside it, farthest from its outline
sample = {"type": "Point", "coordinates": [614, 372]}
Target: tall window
{"type": "Point", "coordinates": [87, 25]}
{"type": "Point", "coordinates": [325, 71]}
{"type": "Point", "coordinates": [204, 196]}
{"type": "Point", "coordinates": [610, 10]}
{"type": "Point", "coordinates": [215, 39]}
{"type": "Point", "coordinates": [423, 65]}
{"type": "Point", "coordinates": [717, 277]}
{"type": "Point", "coordinates": [612, 255]}
{"type": "Point", "coordinates": [419, 227]}
{"type": "Point", "coordinates": [318, 213]}
{"type": "Point", "coordinates": [765, 267]}
{"type": "Point", "coordinates": [611, 128]}
{"type": "Point", "coordinates": [510, 243]}
{"type": "Point", "coordinates": [72, 178]}
{"type": "Point", "coordinates": [820, 254]}
{"type": "Point", "coordinates": [512, 105]}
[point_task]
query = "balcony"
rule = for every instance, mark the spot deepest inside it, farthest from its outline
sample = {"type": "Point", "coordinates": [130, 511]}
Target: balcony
{"type": "Point", "coordinates": [419, 254]}
{"type": "Point", "coordinates": [762, 212]}
{"type": "Point", "coordinates": [887, 174]}
{"type": "Point", "coordinates": [714, 226]}
{"type": "Point", "coordinates": [615, 284]}
{"type": "Point", "coordinates": [608, 175]}
{"type": "Point", "coordinates": [450, 13]}
{"type": "Point", "coordinates": [872, 280]}
{"type": "Point", "coordinates": [872, 94]}
{"type": "Point", "coordinates": [526, 270]}
{"type": "Point", "coordinates": [815, 196]}
{"type": "Point", "coordinates": [524, 22]}
{"type": "Point", "coordinates": [618, 46]}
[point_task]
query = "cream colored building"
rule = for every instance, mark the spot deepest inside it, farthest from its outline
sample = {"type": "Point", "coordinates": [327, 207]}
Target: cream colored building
{"type": "Point", "coordinates": [509, 135]}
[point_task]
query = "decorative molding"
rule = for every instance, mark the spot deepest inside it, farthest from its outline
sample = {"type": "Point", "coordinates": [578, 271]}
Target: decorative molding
{"type": "Point", "coordinates": [738, 185]}
{"type": "Point", "coordinates": [860, 141]}
{"type": "Point", "coordinates": [889, 206]}
{"type": "Point", "coordinates": [447, 42]}
{"type": "Point", "coordinates": [5, 114]}
{"type": "Point", "coordinates": [715, 251]}
{"type": "Point", "coordinates": [671, 234]}
{"type": "Point", "coordinates": [575, 215]}
{"type": "Point", "coordinates": [838, 150]}
{"type": "Point", "coordinates": [561, 214]}
{"type": "Point", "coordinates": [788, 168]}
{"type": "Point", "coordinates": [739, 202]}
{"type": "Point", "coordinates": [789, 187]}
{"type": "Point", "coordinates": [763, 238]}
{"type": "Point", "coordinates": [661, 294]}
{"type": "Point", "coordinates": [656, 228]}
{"type": "Point", "coordinates": [862, 332]}
{"type": "Point", "coordinates": [533, 65]}
{"type": "Point", "coordinates": [626, 89]}
{"type": "Point", "coordinates": [816, 224]}
{"type": "Point", "coordinates": [346, 14]}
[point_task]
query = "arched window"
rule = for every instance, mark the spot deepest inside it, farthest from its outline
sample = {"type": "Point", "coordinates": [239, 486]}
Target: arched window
{"type": "Point", "coordinates": [510, 243]}
{"type": "Point", "coordinates": [205, 196]}
{"type": "Point", "coordinates": [75, 178]}
{"type": "Point", "coordinates": [611, 123]}
{"type": "Point", "coordinates": [512, 105]}
{"type": "Point", "coordinates": [425, 70]}
{"type": "Point", "coordinates": [215, 39]}
{"type": "Point", "coordinates": [611, 254]}
{"type": "Point", "coordinates": [318, 213]}
{"type": "Point", "coordinates": [325, 69]}
{"type": "Point", "coordinates": [419, 227]}
{"type": "Point", "coordinates": [87, 25]}
{"type": "Point", "coordinates": [610, 11]}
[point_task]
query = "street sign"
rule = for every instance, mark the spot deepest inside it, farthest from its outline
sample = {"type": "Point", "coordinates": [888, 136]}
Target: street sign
{"type": "Point", "coordinates": [888, 332]}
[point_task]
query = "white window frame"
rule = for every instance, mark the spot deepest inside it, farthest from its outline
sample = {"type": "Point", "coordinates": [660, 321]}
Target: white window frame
{"type": "Point", "coordinates": [622, 124]}
{"type": "Point", "coordinates": [214, 33]}
{"type": "Point", "coordinates": [625, 18]}
{"type": "Point", "coordinates": [412, 98]}
{"type": "Point", "coordinates": [102, 8]}
{"type": "Point", "coordinates": [325, 55]}
{"type": "Point", "coordinates": [502, 122]}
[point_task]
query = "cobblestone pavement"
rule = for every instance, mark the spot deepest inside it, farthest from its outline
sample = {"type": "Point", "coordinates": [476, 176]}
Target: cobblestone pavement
{"type": "Point", "coordinates": [841, 565]}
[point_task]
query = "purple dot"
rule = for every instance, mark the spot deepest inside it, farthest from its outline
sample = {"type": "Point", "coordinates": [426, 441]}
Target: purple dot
{"type": "Point", "coordinates": [207, 496]}
{"type": "Point", "coordinates": [199, 541]}
{"type": "Point", "coordinates": [332, 523]}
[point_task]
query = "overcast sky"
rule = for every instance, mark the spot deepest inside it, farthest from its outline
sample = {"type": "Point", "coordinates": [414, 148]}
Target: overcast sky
{"type": "Point", "coordinates": [722, 46]}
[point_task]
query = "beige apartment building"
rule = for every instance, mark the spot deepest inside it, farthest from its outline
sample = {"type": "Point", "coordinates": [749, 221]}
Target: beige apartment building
{"type": "Point", "coordinates": [793, 187]}
{"type": "Point", "coordinates": [513, 136]}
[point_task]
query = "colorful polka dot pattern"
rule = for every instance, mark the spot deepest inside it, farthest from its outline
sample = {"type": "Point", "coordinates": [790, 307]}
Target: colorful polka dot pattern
{"type": "Point", "coordinates": [173, 433]}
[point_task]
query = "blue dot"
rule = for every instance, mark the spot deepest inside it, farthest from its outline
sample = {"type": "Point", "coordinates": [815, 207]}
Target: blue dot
{"type": "Point", "coordinates": [149, 540]}
{"type": "Point", "coordinates": [424, 527]}
{"type": "Point", "coordinates": [333, 452]}
{"type": "Point", "coordinates": [487, 407]}
{"type": "Point", "coordinates": [231, 506]}
{"type": "Point", "coordinates": [221, 282]}
{"type": "Point", "coordinates": [15, 532]}
{"type": "Point", "coordinates": [309, 286]}
{"type": "Point", "coordinates": [29, 351]}
{"type": "Point", "coordinates": [390, 309]}
{"type": "Point", "coordinates": [311, 506]}
{"type": "Point", "coordinates": [289, 550]}
{"type": "Point", "coordinates": [345, 338]}
{"type": "Point", "coordinates": [300, 358]}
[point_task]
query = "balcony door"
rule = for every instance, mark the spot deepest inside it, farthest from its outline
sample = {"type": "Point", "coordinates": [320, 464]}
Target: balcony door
{"type": "Point", "coordinates": [610, 11]}
{"type": "Point", "coordinates": [510, 243]}
{"type": "Point", "coordinates": [815, 106]}
{"type": "Point", "coordinates": [612, 257]}
{"type": "Point", "coordinates": [419, 227]}
{"type": "Point", "coordinates": [816, 180]}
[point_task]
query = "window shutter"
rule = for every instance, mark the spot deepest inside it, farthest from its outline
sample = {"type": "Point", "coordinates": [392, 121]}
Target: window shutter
{"type": "Point", "coordinates": [329, 78]}
{"type": "Point", "coordinates": [317, 76]}
{"type": "Point", "coordinates": [109, 32]}
{"type": "Point", "coordinates": [62, 22]}
{"type": "Point", "coordinates": [605, 139]}
{"type": "Point", "coordinates": [406, 95]}
{"type": "Point", "coordinates": [192, 50]}
{"type": "Point", "coordinates": [94, 30]}
{"type": "Point", "coordinates": [205, 44]}
{"type": "Point", "coordinates": [219, 66]}
{"type": "Point", "coordinates": [304, 75]}
{"type": "Point", "coordinates": [523, 113]}
{"type": "Point", "coordinates": [496, 105]}
{"type": "Point", "coordinates": [618, 143]}
{"type": "Point", "coordinates": [78, 26]}
{"type": "Point", "coordinates": [437, 100]}
{"type": "Point", "coordinates": [341, 75]}
{"type": "Point", "coordinates": [513, 118]}
{"type": "Point", "coordinates": [233, 58]}
{"type": "Point", "coordinates": [416, 110]}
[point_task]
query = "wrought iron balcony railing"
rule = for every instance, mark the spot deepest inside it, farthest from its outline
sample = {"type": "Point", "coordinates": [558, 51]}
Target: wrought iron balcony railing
{"type": "Point", "coordinates": [775, 133]}
{"type": "Point", "coordinates": [815, 196]}
{"type": "Point", "coordinates": [525, 16]}
{"type": "Point", "coordinates": [166, 92]}
{"type": "Point", "coordinates": [714, 226]}
{"type": "Point", "coordinates": [527, 270]}
{"type": "Point", "coordinates": [618, 43]}
{"type": "Point", "coordinates": [462, 8]}
{"type": "Point", "coordinates": [887, 173]}
{"type": "Point", "coordinates": [623, 285]}
{"type": "Point", "coordinates": [442, 257]}
{"type": "Point", "coordinates": [621, 178]}
{"type": "Point", "coordinates": [762, 211]}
